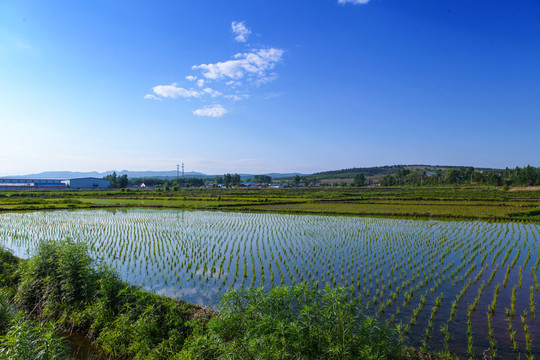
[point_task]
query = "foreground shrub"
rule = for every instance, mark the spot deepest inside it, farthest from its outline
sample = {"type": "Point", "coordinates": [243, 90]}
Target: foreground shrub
{"type": "Point", "coordinates": [296, 322]}
{"type": "Point", "coordinates": [148, 326]}
{"type": "Point", "coordinates": [32, 340]}
{"type": "Point", "coordinates": [62, 283]}
{"type": "Point", "coordinates": [6, 311]}
{"type": "Point", "coordinates": [23, 339]}
{"type": "Point", "coordinates": [59, 276]}
{"type": "Point", "coordinates": [8, 268]}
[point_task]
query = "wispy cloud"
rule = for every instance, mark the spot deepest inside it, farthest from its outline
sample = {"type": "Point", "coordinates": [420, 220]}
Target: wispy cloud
{"type": "Point", "coordinates": [151, 97]}
{"type": "Point", "coordinates": [173, 91]}
{"type": "Point", "coordinates": [254, 64]}
{"type": "Point", "coordinates": [240, 30]}
{"type": "Point", "coordinates": [356, 2]}
{"type": "Point", "coordinates": [211, 111]}
{"type": "Point", "coordinates": [211, 92]}
{"type": "Point", "coordinates": [237, 97]}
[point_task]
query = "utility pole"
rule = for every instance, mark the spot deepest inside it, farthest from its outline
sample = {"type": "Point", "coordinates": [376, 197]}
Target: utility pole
{"type": "Point", "coordinates": [177, 172]}
{"type": "Point", "coordinates": [183, 176]}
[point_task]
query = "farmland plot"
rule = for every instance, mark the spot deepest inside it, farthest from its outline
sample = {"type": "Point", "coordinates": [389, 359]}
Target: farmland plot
{"type": "Point", "coordinates": [470, 286]}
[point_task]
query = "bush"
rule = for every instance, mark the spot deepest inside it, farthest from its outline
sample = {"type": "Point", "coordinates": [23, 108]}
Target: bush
{"type": "Point", "coordinates": [147, 326]}
{"type": "Point", "coordinates": [62, 282]}
{"type": "Point", "coordinates": [9, 275]}
{"type": "Point", "coordinates": [28, 339]}
{"type": "Point", "coordinates": [6, 312]}
{"type": "Point", "coordinates": [59, 276]}
{"type": "Point", "coordinates": [296, 322]}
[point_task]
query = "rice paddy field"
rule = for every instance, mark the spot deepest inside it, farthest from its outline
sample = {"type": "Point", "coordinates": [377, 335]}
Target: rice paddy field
{"type": "Point", "coordinates": [467, 286]}
{"type": "Point", "coordinates": [462, 202]}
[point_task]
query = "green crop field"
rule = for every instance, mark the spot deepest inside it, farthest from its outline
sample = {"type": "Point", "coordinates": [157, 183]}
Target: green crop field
{"type": "Point", "coordinates": [425, 202]}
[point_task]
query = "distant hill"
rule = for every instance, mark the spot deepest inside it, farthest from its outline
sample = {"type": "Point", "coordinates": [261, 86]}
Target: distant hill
{"type": "Point", "coordinates": [61, 175]}
{"type": "Point", "coordinates": [74, 174]}
{"type": "Point", "coordinates": [349, 173]}
{"type": "Point", "coordinates": [379, 171]}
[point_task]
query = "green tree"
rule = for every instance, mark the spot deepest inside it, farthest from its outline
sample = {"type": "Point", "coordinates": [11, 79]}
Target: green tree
{"type": "Point", "coordinates": [235, 180]}
{"type": "Point", "coordinates": [296, 180]}
{"type": "Point", "coordinates": [453, 176]}
{"type": "Point", "coordinates": [401, 174]}
{"type": "Point", "coordinates": [359, 180]}
{"type": "Point", "coordinates": [227, 180]}
{"type": "Point", "coordinates": [388, 180]}
{"type": "Point", "coordinates": [438, 175]}
{"type": "Point", "coordinates": [122, 181]}
{"type": "Point", "coordinates": [262, 179]}
{"type": "Point", "coordinates": [113, 179]}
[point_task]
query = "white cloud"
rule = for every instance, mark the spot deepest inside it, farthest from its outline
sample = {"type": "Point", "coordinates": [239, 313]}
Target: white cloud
{"type": "Point", "coordinates": [173, 91]}
{"type": "Point", "coordinates": [211, 92]}
{"type": "Point", "coordinates": [151, 97]}
{"type": "Point", "coordinates": [356, 2]}
{"type": "Point", "coordinates": [230, 80]}
{"type": "Point", "coordinates": [233, 83]}
{"type": "Point", "coordinates": [252, 64]}
{"type": "Point", "coordinates": [235, 97]}
{"type": "Point", "coordinates": [240, 30]}
{"type": "Point", "coordinates": [266, 79]}
{"type": "Point", "coordinates": [211, 111]}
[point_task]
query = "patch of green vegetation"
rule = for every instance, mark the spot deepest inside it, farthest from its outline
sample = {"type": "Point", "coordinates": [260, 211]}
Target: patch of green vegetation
{"type": "Point", "coordinates": [29, 339]}
{"type": "Point", "coordinates": [299, 322]}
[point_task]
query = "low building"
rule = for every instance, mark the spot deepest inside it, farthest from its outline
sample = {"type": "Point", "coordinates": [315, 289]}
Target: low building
{"type": "Point", "coordinates": [87, 183]}
{"type": "Point", "coordinates": [6, 183]}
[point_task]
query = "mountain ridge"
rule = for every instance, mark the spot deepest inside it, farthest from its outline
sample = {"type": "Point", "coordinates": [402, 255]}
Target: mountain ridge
{"type": "Point", "coordinates": [64, 175]}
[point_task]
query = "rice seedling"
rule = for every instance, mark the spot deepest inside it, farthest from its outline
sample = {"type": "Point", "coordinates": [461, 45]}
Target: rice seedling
{"type": "Point", "coordinates": [531, 303]}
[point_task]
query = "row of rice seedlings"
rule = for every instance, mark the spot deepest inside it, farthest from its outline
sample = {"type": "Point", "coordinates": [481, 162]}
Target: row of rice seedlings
{"type": "Point", "coordinates": [511, 332]}
{"type": "Point", "coordinates": [528, 340]}
{"type": "Point", "coordinates": [492, 342]}
{"type": "Point", "coordinates": [470, 345]}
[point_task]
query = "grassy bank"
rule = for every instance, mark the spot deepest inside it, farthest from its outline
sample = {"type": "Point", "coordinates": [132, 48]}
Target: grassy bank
{"type": "Point", "coordinates": [485, 203]}
{"type": "Point", "coordinates": [62, 290]}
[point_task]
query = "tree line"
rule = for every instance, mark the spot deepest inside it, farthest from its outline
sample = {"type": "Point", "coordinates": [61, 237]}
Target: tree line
{"type": "Point", "coordinates": [117, 182]}
{"type": "Point", "coordinates": [227, 180]}
{"type": "Point", "coordinates": [527, 176]}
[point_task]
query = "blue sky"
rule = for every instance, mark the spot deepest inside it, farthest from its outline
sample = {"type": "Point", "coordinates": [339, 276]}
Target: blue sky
{"type": "Point", "coordinates": [268, 86]}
